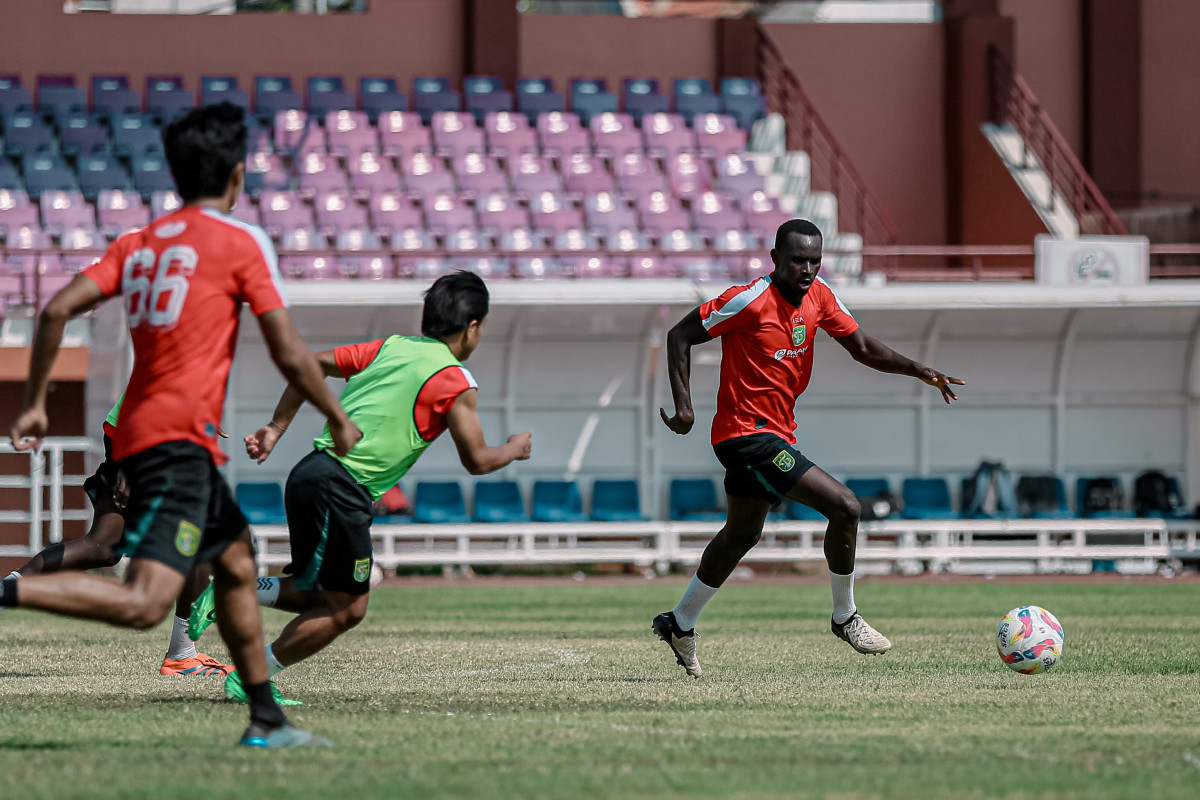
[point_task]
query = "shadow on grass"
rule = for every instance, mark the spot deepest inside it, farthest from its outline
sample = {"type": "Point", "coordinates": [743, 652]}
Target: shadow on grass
{"type": "Point", "coordinates": [22, 674]}
{"type": "Point", "coordinates": [187, 700]}
{"type": "Point", "coordinates": [16, 746]}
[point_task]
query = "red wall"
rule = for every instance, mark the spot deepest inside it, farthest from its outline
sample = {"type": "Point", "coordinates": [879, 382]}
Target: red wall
{"type": "Point", "coordinates": [1049, 44]}
{"type": "Point", "coordinates": [1171, 98]}
{"type": "Point", "coordinates": [399, 38]}
{"type": "Point", "coordinates": [563, 46]}
{"type": "Point", "coordinates": [881, 89]}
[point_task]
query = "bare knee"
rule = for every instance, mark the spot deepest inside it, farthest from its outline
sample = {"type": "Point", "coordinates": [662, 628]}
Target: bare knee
{"type": "Point", "coordinates": [845, 508]}
{"type": "Point", "coordinates": [743, 538]}
{"type": "Point", "coordinates": [348, 617]}
{"type": "Point", "coordinates": [142, 611]}
{"type": "Point", "coordinates": [235, 566]}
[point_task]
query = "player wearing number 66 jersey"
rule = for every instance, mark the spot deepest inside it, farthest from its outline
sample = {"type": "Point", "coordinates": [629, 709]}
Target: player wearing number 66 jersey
{"type": "Point", "coordinates": [184, 279]}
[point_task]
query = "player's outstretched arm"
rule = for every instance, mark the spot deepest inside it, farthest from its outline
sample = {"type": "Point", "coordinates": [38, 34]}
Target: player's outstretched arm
{"type": "Point", "coordinates": [299, 366]}
{"type": "Point", "coordinates": [76, 297]}
{"type": "Point", "coordinates": [686, 334]}
{"type": "Point", "coordinates": [875, 354]}
{"type": "Point", "coordinates": [473, 449]}
{"type": "Point", "coordinates": [260, 443]}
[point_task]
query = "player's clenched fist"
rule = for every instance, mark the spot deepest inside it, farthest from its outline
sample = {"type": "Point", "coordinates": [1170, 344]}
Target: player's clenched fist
{"type": "Point", "coordinates": [523, 443]}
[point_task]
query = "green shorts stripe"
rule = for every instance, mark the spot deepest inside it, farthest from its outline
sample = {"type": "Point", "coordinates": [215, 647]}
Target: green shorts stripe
{"type": "Point", "coordinates": [132, 538]}
{"type": "Point", "coordinates": [308, 581]}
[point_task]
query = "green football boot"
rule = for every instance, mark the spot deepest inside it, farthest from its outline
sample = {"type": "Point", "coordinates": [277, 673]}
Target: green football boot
{"type": "Point", "coordinates": [204, 613]}
{"type": "Point", "coordinates": [237, 693]}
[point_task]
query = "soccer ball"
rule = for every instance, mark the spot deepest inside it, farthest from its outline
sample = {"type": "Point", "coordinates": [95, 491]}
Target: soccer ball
{"type": "Point", "coordinates": [1029, 640]}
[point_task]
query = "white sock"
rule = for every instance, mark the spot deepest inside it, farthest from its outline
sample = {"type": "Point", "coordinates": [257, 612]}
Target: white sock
{"type": "Point", "coordinates": [697, 594]}
{"type": "Point", "coordinates": [181, 646]}
{"type": "Point", "coordinates": [268, 592]}
{"type": "Point", "coordinates": [843, 596]}
{"type": "Point", "coordinates": [14, 574]}
{"type": "Point", "coordinates": [273, 665]}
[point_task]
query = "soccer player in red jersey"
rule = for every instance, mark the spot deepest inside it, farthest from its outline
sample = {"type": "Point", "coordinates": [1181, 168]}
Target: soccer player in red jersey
{"type": "Point", "coordinates": [184, 279]}
{"type": "Point", "coordinates": [767, 329]}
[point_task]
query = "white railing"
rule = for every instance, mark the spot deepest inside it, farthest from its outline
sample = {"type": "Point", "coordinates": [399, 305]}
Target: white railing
{"type": "Point", "coordinates": [45, 472]}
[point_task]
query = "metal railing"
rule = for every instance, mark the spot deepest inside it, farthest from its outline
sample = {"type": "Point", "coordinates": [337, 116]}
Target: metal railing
{"type": "Point", "coordinates": [1013, 103]}
{"type": "Point", "coordinates": [859, 210]}
{"type": "Point", "coordinates": [45, 473]}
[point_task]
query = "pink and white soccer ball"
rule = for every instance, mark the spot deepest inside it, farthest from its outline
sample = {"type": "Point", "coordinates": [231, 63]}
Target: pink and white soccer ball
{"type": "Point", "coordinates": [1029, 640]}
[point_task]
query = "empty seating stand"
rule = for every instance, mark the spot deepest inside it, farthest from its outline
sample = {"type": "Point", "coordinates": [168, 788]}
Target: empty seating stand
{"type": "Point", "coordinates": [499, 501]}
{"type": "Point", "coordinates": [262, 503]}
{"type": "Point", "coordinates": [927, 498]}
{"type": "Point", "coordinates": [439, 502]}
{"type": "Point", "coordinates": [694, 499]}
{"type": "Point", "coordinates": [616, 501]}
{"type": "Point", "coordinates": [557, 501]}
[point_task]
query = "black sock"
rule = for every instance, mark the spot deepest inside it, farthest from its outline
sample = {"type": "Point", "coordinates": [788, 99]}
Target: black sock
{"type": "Point", "coordinates": [8, 593]}
{"type": "Point", "coordinates": [263, 708]}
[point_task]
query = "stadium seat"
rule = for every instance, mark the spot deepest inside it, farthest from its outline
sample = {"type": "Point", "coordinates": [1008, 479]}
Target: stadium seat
{"type": "Point", "coordinates": [561, 134]}
{"type": "Point", "coordinates": [82, 134]}
{"type": "Point", "coordinates": [1081, 485]}
{"type": "Point", "coordinates": [501, 214]}
{"type": "Point", "coordinates": [265, 172]}
{"type": "Point", "coordinates": [166, 98]}
{"type": "Point", "coordinates": [799, 511]}
{"type": "Point", "coordinates": [532, 174]}
{"type": "Point", "coordinates": [1055, 485]}
{"type": "Point", "coordinates": [499, 501]}
{"type": "Point", "coordinates": [486, 95]}
{"type": "Point", "coordinates": [557, 501]}
{"type": "Point", "coordinates": [718, 136]}
{"type": "Point", "coordinates": [274, 93]}
{"type": "Point", "coordinates": [508, 134]}
{"type": "Point", "coordinates": [616, 501]}
{"type": "Point", "coordinates": [433, 94]}
{"type": "Point", "coordinates": [14, 96]}
{"type": "Point", "coordinates": [63, 210]}
{"type": "Point", "coordinates": [16, 211]}
{"type": "Point", "coordinates": [152, 174]}
{"type": "Point", "coordinates": [350, 133]}
{"type": "Point", "coordinates": [742, 99]}
{"type": "Point", "coordinates": [642, 98]}
{"type": "Point", "coordinates": [100, 172]}
{"type": "Point", "coordinates": [134, 135]}
{"type": "Point", "coordinates": [590, 96]}
{"type": "Point", "coordinates": [694, 499]}
{"type": "Point", "coordinates": [440, 502]}
{"type": "Point", "coordinates": [536, 96]}
{"type": "Point", "coordinates": [666, 135]}
{"type": "Point", "coordinates": [223, 89]}
{"type": "Point", "coordinates": [58, 94]}
{"type": "Point", "coordinates": [695, 96]}
{"type": "Point", "coordinates": [47, 172]}
{"type": "Point", "coordinates": [455, 134]}
{"type": "Point", "coordinates": [262, 503]}
{"type": "Point", "coordinates": [926, 498]}
{"type": "Point", "coordinates": [380, 95]}
{"type": "Point", "coordinates": [111, 94]}
{"type": "Point", "coordinates": [401, 134]}
{"type": "Point", "coordinates": [614, 135]}
{"type": "Point", "coordinates": [392, 212]}
{"type": "Point", "coordinates": [327, 94]}
{"type": "Point", "coordinates": [26, 133]}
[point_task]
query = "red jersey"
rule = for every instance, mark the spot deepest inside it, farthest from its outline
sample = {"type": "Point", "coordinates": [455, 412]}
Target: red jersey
{"type": "Point", "coordinates": [767, 354]}
{"type": "Point", "coordinates": [184, 279]}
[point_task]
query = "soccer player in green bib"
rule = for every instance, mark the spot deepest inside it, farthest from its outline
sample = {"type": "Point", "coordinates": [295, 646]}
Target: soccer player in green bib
{"type": "Point", "coordinates": [403, 392]}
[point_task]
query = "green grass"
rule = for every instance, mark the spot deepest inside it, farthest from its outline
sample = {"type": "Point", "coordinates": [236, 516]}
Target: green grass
{"type": "Point", "coordinates": [561, 691]}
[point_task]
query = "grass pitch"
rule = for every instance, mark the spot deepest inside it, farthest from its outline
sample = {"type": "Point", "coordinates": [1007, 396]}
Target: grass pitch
{"type": "Point", "coordinates": [562, 691]}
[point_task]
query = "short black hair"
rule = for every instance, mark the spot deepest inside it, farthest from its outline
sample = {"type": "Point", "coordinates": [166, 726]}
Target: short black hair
{"type": "Point", "coordinates": [452, 303]}
{"type": "Point", "coordinates": [203, 146]}
{"type": "Point", "coordinates": [800, 226]}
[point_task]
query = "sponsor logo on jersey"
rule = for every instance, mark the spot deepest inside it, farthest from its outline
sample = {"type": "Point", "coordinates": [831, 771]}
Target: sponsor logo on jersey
{"type": "Point", "coordinates": [780, 355]}
{"type": "Point", "coordinates": [170, 230]}
{"type": "Point", "coordinates": [187, 538]}
{"type": "Point", "coordinates": [362, 569]}
{"type": "Point", "coordinates": [784, 461]}
{"type": "Point", "coordinates": [799, 334]}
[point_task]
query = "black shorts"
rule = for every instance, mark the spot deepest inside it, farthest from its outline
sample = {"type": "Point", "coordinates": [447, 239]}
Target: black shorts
{"type": "Point", "coordinates": [329, 524]}
{"type": "Point", "coordinates": [102, 485]}
{"type": "Point", "coordinates": [761, 465]}
{"type": "Point", "coordinates": [180, 509]}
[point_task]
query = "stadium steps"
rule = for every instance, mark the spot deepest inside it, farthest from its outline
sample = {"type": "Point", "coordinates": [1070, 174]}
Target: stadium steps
{"type": "Point", "coordinates": [1027, 171]}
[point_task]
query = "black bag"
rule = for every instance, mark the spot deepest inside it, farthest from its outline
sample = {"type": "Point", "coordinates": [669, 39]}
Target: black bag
{"type": "Point", "coordinates": [1101, 494]}
{"type": "Point", "coordinates": [880, 506]}
{"type": "Point", "coordinates": [1153, 495]}
{"type": "Point", "coordinates": [1037, 493]}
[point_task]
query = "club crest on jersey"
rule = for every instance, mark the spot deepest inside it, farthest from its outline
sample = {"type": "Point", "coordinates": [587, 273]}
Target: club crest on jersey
{"type": "Point", "coordinates": [362, 569]}
{"type": "Point", "coordinates": [784, 461]}
{"type": "Point", "coordinates": [799, 334]}
{"type": "Point", "coordinates": [187, 538]}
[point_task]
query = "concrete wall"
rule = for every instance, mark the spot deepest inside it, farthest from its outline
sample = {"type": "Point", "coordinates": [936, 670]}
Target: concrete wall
{"type": "Point", "coordinates": [1171, 98]}
{"type": "Point", "coordinates": [1049, 56]}
{"type": "Point", "coordinates": [881, 89]}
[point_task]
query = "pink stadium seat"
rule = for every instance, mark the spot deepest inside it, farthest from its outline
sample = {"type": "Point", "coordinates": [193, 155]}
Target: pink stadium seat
{"type": "Point", "coordinates": [284, 211]}
{"type": "Point", "coordinates": [455, 134]}
{"type": "Point", "coordinates": [735, 241]}
{"type": "Point", "coordinates": [700, 268]}
{"type": "Point", "coordinates": [115, 221]}
{"type": "Point", "coordinates": [614, 135]}
{"type": "Point", "coordinates": [82, 239]}
{"type": "Point", "coordinates": [712, 212]}
{"type": "Point", "coordinates": [12, 292]}
{"type": "Point", "coordinates": [365, 268]}
{"type": "Point", "coordinates": [302, 239]}
{"type": "Point", "coordinates": [319, 173]}
{"type": "Point", "coordinates": [14, 215]}
{"type": "Point", "coordinates": [490, 269]}
{"type": "Point", "coordinates": [667, 134]}
{"type": "Point", "coordinates": [688, 174]}
{"type": "Point", "coordinates": [637, 174]}
{"type": "Point", "coordinates": [747, 268]}
{"type": "Point", "coordinates": [448, 212]}
{"type": "Point", "coordinates": [573, 239]}
{"type": "Point", "coordinates": [415, 238]}
{"type": "Point", "coordinates": [296, 135]}
{"type": "Point", "coordinates": [51, 283]}
{"type": "Point", "coordinates": [62, 210]}
{"type": "Point", "coordinates": [466, 240]}
{"type": "Point", "coordinates": [499, 213]}
{"type": "Point", "coordinates": [402, 134]}
{"type": "Point", "coordinates": [607, 212]}
{"type": "Point", "coordinates": [737, 176]}
{"type": "Point", "coordinates": [763, 215]}
{"type": "Point", "coordinates": [627, 240]}
{"type": "Point", "coordinates": [337, 211]}
{"type": "Point", "coordinates": [426, 175]}
{"type": "Point", "coordinates": [561, 135]}
{"type": "Point", "coordinates": [265, 171]}
{"type": "Point", "coordinates": [372, 174]}
{"type": "Point", "coordinates": [425, 270]}
{"type": "Point", "coordinates": [594, 267]}
{"type": "Point", "coordinates": [162, 203]}
{"type": "Point", "coordinates": [538, 268]}
{"type": "Point", "coordinates": [660, 212]}
{"type": "Point", "coordinates": [718, 135]}
{"type": "Point", "coordinates": [680, 241]}
{"type": "Point", "coordinates": [650, 267]}
{"type": "Point", "coordinates": [111, 199]}
{"type": "Point", "coordinates": [246, 211]}
{"type": "Point", "coordinates": [392, 211]}
{"type": "Point", "coordinates": [479, 174]}
{"type": "Point", "coordinates": [586, 174]}
{"type": "Point", "coordinates": [552, 213]}
{"type": "Point", "coordinates": [358, 241]}
{"type": "Point", "coordinates": [350, 133]}
{"type": "Point", "coordinates": [508, 134]}
{"type": "Point", "coordinates": [522, 240]}
{"type": "Point", "coordinates": [299, 267]}
{"type": "Point", "coordinates": [533, 174]}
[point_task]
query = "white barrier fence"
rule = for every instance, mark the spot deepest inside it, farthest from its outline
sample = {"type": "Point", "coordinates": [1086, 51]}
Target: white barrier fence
{"type": "Point", "coordinates": [908, 546]}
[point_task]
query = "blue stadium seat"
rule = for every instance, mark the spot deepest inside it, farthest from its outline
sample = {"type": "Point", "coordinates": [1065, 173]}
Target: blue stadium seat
{"type": "Point", "coordinates": [151, 174]}
{"type": "Point", "coordinates": [81, 134]}
{"type": "Point", "coordinates": [485, 95]}
{"type": "Point", "coordinates": [616, 501]}
{"type": "Point", "coordinates": [25, 133]}
{"type": "Point", "coordinates": [13, 96]}
{"type": "Point", "coordinates": [47, 172]}
{"type": "Point", "coordinates": [433, 94]}
{"type": "Point", "coordinates": [742, 99]}
{"type": "Point", "coordinates": [695, 96]}
{"type": "Point", "coordinates": [262, 503]}
{"type": "Point", "coordinates": [379, 95]}
{"type": "Point", "coordinates": [134, 135]}
{"type": "Point", "coordinates": [537, 96]}
{"type": "Point", "coordinates": [590, 96]}
{"type": "Point", "coordinates": [868, 487]}
{"type": "Point", "coordinates": [100, 172]}
{"type": "Point", "coordinates": [56, 99]}
{"type": "Point", "coordinates": [1081, 489]}
{"type": "Point", "coordinates": [499, 501]}
{"type": "Point", "coordinates": [274, 93]}
{"type": "Point", "coordinates": [111, 94]}
{"type": "Point", "coordinates": [557, 501]}
{"type": "Point", "coordinates": [694, 499]}
{"type": "Point", "coordinates": [223, 89]}
{"type": "Point", "coordinates": [642, 98]}
{"type": "Point", "coordinates": [328, 93]}
{"type": "Point", "coordinates": [802, 512]}
{"type": "Point", "coordinates": [927, 498]}
{"type": "Point", "coordinates": [439, 501]}
{"type": "Point", "coordinates": [166, 98]}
